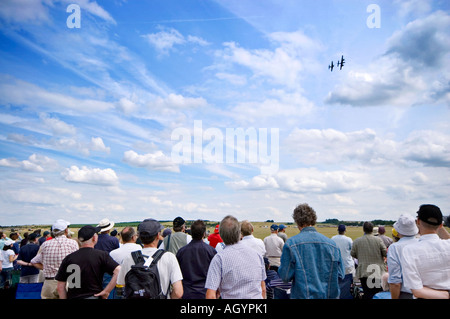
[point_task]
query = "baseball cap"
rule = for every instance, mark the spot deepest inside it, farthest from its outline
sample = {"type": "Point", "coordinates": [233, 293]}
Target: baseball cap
{"type": "Point", "coordinates": [216, 230]}
{"type": "Point", "coordinates": [60, 224]}
{"type": "Point", "coordinates": [150, 226]}
{"type": "Point", "coordinates": [430, 214]}
{"type": "Point", "coordinates": [179, 221]}
{"type": "Point", "coordinates": [341, 228]}
{"type": "Point", "coordinates": [274, 227]}
{"type": "Point", "coordinates": [282, 226]}
{"type": "Point", "coordinates": [406, 225]}
{"type": "Point", "coordinates": [87, 232]}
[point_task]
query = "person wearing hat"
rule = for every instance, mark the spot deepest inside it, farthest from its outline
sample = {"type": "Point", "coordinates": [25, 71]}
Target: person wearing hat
{"type": "Point", "coordinates": [8, 257]}
{"type": "Point", "coordinates": [82, 271]}
{"type": "Point", "coordinates": [28, 273]}
{"type": "Point", "coordinates": [178, 238]}
{"type": "Point", "coordinates": [51, 254]}
{"type": "Point", "coordinates": [149, 232]}
{"type": "Point", "coordinates": [45, 236]}
{"type": "Point", "coordinates": [406, 230]}
{"type": "Point", "coordinates": [105, 241]}
{"type": "Point", "coordinates": [215, 238]}
{"type": "Point", "coordinates": [425, 264]}
{"type": "Point", "coordinates": [282, 232]}
{"type": "Point", "coordinates": [344, 244]}
{"type": "Point", "coordinates": [274, 247]}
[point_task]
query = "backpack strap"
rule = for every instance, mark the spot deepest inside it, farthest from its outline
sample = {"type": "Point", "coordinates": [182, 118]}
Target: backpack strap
{"type": "Point", "coordinates": [168, 242]}
{"type": "Point", "coordinates": [157, 256]}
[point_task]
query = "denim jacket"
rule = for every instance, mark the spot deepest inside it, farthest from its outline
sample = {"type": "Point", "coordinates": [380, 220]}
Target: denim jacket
{"type": "Point", "coordinates": [313, 263]}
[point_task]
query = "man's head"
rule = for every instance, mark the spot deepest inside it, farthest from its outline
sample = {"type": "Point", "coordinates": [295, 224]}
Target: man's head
{"type": "Point", "coordinates": [230, 230]}
{"type": "Point", "coordinates": [198, 229]}
{"type": "Point", "coordinates": [149, 230]}
{"type": "Point", "coordinates": [179, 224]}
{"type": "Point", "coordinates": [429, 218]}
{"type": "Point", "coordinates": [32, 238]}
{"type": "Point", "coordinates": [246, 228]}
{"type": "Point", "coordinates": [368, 228]}
{"type": "Point", "coordinates": [60, 227]}
{"type": "Point", "coordinates": [106, 225]}
{"type": "Point", "coordinates": [128, 235]}
{"type": "Point", "coordinates": [341, 229]}
{"type": "Point", "coordinates": [274, 228]}
{"type": "Point", "coordinates": [87, 235]}
{"type": "Point", "coordinates": [304, 216]}
{"type": "Point", "coordinates": [406, 226]}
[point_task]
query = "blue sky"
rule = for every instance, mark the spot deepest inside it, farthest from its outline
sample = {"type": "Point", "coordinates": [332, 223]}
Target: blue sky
{"type": "Point", "coordinates": [89, 116]}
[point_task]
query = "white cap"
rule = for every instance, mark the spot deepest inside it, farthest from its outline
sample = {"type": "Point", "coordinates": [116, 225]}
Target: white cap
{"type": "Point", "coordinates": [9, 242]}
{"type": "Point", "coordinates": [406, 225]}
{"type": "Point", "coordinates": [60, 224]}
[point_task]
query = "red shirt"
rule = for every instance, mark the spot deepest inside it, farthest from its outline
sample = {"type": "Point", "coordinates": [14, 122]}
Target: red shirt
{"type": "Point", "coordinates": [214, 239]}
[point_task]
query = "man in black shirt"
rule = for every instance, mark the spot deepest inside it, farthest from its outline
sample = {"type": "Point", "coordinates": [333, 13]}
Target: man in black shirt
{"type": "Point", "coordinates": [83, 269]}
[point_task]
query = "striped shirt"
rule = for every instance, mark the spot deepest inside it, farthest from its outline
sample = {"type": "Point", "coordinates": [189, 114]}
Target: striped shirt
{"type": "Point", "coordinates": [237, 272]}
{"type": "Point", "coordinates": [52, 252]}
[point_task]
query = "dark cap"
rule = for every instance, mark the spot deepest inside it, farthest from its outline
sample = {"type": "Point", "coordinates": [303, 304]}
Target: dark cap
{"type": "Point", "coordinates": [87, 232]}
{"type": "Point", "coordinates": [430, 214]}
{"type": "Point", "coordinates": [150, 226]}
{"type": "Point", "coordinates": [32, 236]}
{"type": "Point", "coordinates": [341, 228]}
{"type": "Point", "coordinates": [179, 221]}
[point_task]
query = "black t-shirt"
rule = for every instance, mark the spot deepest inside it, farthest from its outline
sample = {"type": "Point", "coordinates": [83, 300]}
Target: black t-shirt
{"type": "Point", "coordinates": [84, 270]}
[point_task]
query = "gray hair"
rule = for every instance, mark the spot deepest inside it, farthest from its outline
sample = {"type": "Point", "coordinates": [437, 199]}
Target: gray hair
{"type": "Point", "coordinates": [230, 230]}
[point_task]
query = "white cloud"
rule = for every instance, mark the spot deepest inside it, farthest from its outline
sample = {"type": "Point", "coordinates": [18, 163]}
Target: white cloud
{"type": "Point", "coordinates": [293, 57]}
{"type": "Point", "coordinates": [177, 101]}
{"type": "Point", "coordinates": [57, 126]}
{"type": "Point", "coordinates": [98, 145]}
{"type": "Point", "coordinates": [17, 92]}
{"type": "Point", "coordinates": [165, 40]}
{"type": "Point", "coordinates": [34, 163]}
{"type": "Point", "coordinates": [87, 175]}
{"type": "Point", "coordinates": [153, 161]}
{"type": "Point", "coordinates": [412, 71]}
{"type": "Point", "coordinates": [329, 146]}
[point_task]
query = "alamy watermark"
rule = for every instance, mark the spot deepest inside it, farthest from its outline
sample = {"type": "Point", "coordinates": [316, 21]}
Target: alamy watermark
{"type": "Point", "coordinates": [231, 146]}
{"type": "Point", "coordinates": [74, 19]}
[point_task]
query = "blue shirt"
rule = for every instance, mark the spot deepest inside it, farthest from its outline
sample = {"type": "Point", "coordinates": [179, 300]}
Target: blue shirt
{"type": "Point", "coordinates": [26, 253]}
{"type": "Point", "coordinates": [394, 261]}
{"type": "Point", "coordinates": [313, 263]}
{"type": "Point", "coordinates": [194, 260]}
{"type": "Point", "coordinates": [237, 272]}
{"type": "Point", "coordinates": [107, 243]}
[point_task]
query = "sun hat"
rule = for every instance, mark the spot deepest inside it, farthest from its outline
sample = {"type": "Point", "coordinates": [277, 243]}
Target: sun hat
{"type": "Point", "coordinates": [105, 224]}
{"type": "Point", "coordinates": [406, 225]}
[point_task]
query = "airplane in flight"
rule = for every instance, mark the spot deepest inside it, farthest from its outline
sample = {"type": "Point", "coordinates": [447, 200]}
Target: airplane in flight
{"type": "Point", "coordinates": [331, 66]}
{"type": "Point", "coordinates": [341, 63]}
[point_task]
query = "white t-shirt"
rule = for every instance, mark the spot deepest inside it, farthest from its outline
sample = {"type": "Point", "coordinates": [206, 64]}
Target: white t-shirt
{"type": "Point", "coordinates": [168, 268]}
{"type": "Point", "coordinates": [5, 258]}
{"type": "Point", "coordinates": [119, 254]}
{"type": "Point", "coordinates": [426, 263]}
